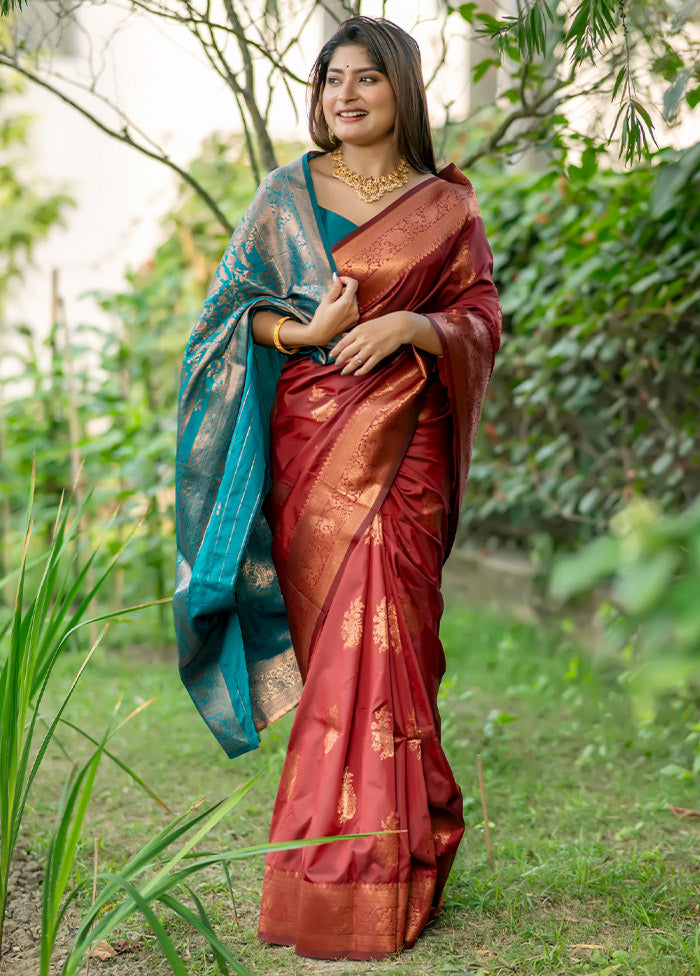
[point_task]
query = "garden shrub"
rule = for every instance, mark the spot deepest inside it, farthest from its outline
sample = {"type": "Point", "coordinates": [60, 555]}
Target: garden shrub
{"type": "Point", "coordinates": [595, 395]}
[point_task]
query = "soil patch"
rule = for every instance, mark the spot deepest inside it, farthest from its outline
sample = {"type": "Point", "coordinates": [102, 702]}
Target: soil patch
{"type": "Point", "coordinates": [22, 933]}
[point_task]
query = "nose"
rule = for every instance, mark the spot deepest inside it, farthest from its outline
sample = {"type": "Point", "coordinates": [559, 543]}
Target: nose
{"type": "Point", "coordinates": [347, 91]}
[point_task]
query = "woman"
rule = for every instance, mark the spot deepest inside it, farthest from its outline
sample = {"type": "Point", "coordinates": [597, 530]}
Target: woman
{"type": "Point", "coordinates": [354, 308]}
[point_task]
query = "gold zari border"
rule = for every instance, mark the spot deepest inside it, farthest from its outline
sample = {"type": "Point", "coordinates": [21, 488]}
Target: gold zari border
{"type": "Point", "coordinates": [344, 920]}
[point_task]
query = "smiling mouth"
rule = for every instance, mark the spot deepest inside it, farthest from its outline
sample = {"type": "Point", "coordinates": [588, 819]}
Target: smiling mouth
{"type": "Point", "coordinates": [352, 114]}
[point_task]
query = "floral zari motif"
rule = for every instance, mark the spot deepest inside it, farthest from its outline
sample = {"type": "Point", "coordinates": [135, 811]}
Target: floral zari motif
{"type": "Point", "coordinates": [383, 732]}
{"type": "Point", "coordinates": [351, 630]}
{"type": "Point", "coordinates": [386, 626]}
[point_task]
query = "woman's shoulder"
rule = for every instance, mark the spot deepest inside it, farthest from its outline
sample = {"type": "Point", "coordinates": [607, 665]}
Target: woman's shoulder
{"type": "Point", "coordinates": [282, 176]}
{"type": "Point", "coordinates": [459, 188]}
{"type": "Point", "coordinates": [277, 190]}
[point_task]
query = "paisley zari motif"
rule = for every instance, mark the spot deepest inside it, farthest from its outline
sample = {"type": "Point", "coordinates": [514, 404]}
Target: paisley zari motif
{"type": "Point", "coordinates": [347, 802]}
{"type": "Point", "coordinates": [363, 478]}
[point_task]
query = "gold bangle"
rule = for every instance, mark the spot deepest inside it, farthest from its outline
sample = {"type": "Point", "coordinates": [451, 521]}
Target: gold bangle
{"type": "Point", "coordinates": [276, 335]}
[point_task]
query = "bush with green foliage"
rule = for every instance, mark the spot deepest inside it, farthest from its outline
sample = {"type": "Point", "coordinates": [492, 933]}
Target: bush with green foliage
{"type": "Point", "coordinates": [595, 397]}
{"type": "Point", "coordinates": [29, 211]}
{"type": "Point", "coordinates": [649, 564]}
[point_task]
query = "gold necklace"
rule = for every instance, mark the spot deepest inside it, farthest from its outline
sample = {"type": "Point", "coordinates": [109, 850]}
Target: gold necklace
{"type": "Point", "coordinates": [368, 188]}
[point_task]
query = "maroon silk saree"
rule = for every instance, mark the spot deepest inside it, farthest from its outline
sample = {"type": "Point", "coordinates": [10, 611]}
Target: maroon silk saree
{"type": "Point", "coordinates": [368, 475]}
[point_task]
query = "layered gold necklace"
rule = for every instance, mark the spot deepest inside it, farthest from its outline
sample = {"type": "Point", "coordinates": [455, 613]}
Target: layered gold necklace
{"type": "Point", "coordinates": [368, 188]}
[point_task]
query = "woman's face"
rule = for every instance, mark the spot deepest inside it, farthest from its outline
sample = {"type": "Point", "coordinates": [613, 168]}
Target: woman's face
{"type": "Point", "coordinates": [359, 104]}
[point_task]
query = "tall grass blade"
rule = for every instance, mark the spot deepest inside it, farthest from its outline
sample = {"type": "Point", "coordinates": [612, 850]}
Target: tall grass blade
{"type": "Point", "coordinates": [166, 945]}
{"type": "Point", "coordinates": [14, 706]}
{"type": "Point", "coordinates": [48, 736]}
{"type": "Point", "coordinates": [64, 843]}
{"type": "Point", "coordinates": [61, 855]}
{"type": "Point", "coordinates": [152, 888]}
{"type": "Point", "coordinates": [32, 642]}
{"type": "Point", "coordinates": [238, 854]}
{"type": "Point", "coordinates": [201, 923]}
{"type": "Point", "coordinates": [121, 764]}
{"type": "Point", "coordinates": [159, 888]}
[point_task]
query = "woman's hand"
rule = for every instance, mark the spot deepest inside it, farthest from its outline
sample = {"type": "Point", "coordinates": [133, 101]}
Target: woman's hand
{"type": "Point", "coordinates": [337, 311]}
{"type": "Point", "coordinates": [367, 344]}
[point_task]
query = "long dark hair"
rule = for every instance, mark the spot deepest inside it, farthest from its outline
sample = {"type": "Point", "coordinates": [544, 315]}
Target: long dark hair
{"type": "Point", "coordinates": [395, 54]}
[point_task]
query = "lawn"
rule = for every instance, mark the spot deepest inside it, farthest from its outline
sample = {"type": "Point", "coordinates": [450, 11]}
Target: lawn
{"type": "Point", "coordinates": [593, 873]}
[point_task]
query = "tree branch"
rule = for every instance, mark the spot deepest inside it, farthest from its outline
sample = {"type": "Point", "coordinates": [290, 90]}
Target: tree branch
{"type": "Point", "coordinates": [267, 150]}
{"type": "Point", "coordinates": [223, 69]}
{"type": "Point", "coordinates": [122, 135]}
{"type": "Point", "coordinates": [527, 111]}
{"type": "Point", "coordinates": [275, 58]}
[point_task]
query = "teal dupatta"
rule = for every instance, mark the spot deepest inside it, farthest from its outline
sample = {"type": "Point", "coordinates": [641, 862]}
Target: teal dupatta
{"type": "Point", "coordinates": [235, 653]}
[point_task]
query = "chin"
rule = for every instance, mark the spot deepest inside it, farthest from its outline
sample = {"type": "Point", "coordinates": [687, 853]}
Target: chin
{"type": "Point", "coordinates": [364, 139]}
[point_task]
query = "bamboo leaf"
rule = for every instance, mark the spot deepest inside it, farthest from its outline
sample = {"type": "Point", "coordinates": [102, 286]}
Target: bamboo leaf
{"type": "Point", "coordinates": [621, 77]}
{"type": "Point", "coordinates": [641, 110]}
{"type": "Point", "coordinates": [482, 67]}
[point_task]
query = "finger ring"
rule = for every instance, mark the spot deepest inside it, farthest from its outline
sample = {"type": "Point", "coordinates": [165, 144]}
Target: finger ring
{"type": "Point", "coordinates": [358, 359]}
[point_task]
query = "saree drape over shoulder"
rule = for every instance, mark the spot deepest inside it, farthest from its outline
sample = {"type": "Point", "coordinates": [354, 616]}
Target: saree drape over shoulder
{"type": "Point", "coordinates": [323, 507]}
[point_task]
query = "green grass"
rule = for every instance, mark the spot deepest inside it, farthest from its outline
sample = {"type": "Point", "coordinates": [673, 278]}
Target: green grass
{"type": "Point", "coordinates": [592, 874]}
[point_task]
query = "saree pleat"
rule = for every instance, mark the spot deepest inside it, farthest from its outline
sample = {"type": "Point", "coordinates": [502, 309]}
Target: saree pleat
{"type": "Point", "coordinates": [364, 753]}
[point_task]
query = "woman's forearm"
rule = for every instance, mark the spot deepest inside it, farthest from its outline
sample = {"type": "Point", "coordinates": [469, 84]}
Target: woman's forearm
{"type": "Point", "coordinates": [365, 346]}
{"type": "Point", "coordinates": [408, 327]}
{"type": "Point", "coordinates": [292, 334]}
{"type": "Point", "coordinates": [422, 333]}
{"type": "Point", "coordinates": [336, 312]}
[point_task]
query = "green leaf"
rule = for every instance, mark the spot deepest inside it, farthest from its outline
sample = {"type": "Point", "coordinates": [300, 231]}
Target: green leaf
{"type": "Point", "coordinates": [588, 167]}
{"type": "Point", "coordinates": [576, 574]}
{"type": "Point", "coordinates": [674, 771]}
{"type": "Point", "coordinates": [491, 25]}
{"type": "Point", "coordinates": [641, 584]}
{"type": "Point", "coordinates": [482, 67]}
{"type": "Point", "coordinates": [201, 924]}
{"type": "Point", "coordinates": [663, 462]}
{"type": "Point", "coordinates": [672, 178]}
{"type": "Point", "coordinates": [674, 94]}
{"type": "Point", "coordinates": [643, 112]}
{"type": "Point", "coordinates": [621, 77]}
{"type": "Point", "coordinates": [466, 10]}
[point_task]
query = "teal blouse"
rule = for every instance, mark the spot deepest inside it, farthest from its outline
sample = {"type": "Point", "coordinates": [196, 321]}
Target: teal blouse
{"type": "Point", "coordinates": [336, 226]}
{"type": "Point", "coordinates": [333, 226]}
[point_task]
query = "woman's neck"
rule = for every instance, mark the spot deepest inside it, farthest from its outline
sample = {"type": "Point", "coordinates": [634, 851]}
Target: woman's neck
{"type": "Point", "coordinates": [371, 160]}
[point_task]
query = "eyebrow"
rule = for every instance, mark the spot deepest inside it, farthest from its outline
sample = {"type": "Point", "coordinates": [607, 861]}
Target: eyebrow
{"type": "Point", "coordinates": [357, 71]}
